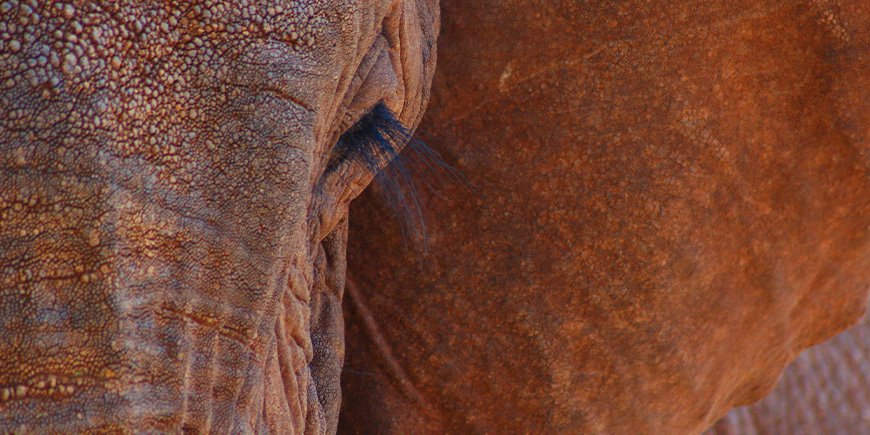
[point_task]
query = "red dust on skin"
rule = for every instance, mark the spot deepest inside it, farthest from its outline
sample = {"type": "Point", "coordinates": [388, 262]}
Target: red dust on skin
{"type": "Point", "coordinates": [671, 200]}
{"type": "Point", "coordinates": [171, 246]}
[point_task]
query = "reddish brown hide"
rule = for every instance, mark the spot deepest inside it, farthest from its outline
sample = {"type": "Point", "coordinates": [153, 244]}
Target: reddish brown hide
{"type": "Point", "coordinates": [670, 202]}
{"type": "Point", "coordinates": [825, 391]}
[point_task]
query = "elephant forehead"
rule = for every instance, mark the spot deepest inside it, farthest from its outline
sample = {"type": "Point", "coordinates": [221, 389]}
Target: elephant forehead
{"type": "Point", "coordinates": [207, 104]}
{"type": "Point", "coordinates": [197, 92]}
{"type": "Point", "coordinates": [167, 59]}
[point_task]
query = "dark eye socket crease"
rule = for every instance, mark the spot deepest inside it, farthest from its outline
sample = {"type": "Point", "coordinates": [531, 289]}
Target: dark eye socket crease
{"type": "Point", "coordinates": [402, 164]}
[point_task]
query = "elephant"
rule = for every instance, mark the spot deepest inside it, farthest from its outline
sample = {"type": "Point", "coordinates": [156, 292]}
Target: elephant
{"type": "Point", "coordinates": [665, 203]}
{"type": "Point", "coordinates": [174, 185]}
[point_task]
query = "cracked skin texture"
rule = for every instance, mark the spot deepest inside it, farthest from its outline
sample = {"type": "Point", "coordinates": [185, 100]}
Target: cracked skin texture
{"type": "Point", "coordinates": [670, 201]}
{"type": "Point", "coordinates": [171, 246]}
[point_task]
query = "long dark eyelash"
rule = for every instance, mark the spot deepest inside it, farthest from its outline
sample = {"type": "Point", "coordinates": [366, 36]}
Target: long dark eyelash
{"type": "Point", "coordinates": [376, 140]}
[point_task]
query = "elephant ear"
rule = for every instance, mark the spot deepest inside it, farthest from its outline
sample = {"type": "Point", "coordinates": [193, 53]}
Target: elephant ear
{"type": "Point", "coordinates": [825, 390]}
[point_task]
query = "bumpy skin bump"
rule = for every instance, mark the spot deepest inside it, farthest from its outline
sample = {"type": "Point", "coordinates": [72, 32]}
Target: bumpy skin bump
{"type": "Point", "coordinates": [670, 200]}
{"type": "Point", "coordinates": [171, 249]}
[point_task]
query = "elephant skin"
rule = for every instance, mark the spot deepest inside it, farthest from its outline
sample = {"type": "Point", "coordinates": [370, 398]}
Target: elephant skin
{"type": "Point", "coordinates": [173, 203]}
{"type": "Point", "coordinates": [824, 391]}
{"type": "Point", "coordinates": [669, 201]}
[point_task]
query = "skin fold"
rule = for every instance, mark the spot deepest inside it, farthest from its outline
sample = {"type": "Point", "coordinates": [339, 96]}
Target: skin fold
{"type": "Point", "coordinates": [669, 201]}
{"type": "Point", "coordinates": [824, 391]}
{"type": "Point", "coordinates": [171, 243]}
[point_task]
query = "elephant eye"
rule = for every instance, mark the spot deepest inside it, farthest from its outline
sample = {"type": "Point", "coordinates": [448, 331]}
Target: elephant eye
{"type": "Point", "coordinates": [375, 140]}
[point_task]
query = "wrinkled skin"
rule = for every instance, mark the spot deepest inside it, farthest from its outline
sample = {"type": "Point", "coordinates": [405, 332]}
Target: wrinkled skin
{"type": "Point", "coordinates": [670, 201]}
{"type": "Point", "coordinates": [171, 244]}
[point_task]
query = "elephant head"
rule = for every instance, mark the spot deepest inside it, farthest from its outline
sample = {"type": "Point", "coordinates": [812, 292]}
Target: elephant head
{"type": "Point", "coordinates": [174, 183]}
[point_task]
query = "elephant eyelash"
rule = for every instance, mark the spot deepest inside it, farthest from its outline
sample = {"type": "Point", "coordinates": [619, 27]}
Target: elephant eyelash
{"type": "Point", "coordinates": [403, 166]}
{"type": "Point", "coordinates": [375, 140]}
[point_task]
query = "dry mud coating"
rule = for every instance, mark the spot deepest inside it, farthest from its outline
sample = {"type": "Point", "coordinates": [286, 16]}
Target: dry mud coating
{"type": "Point", "coordinates": [171, 243]}
{"type": "Point", "coordinates": [670, 200]}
